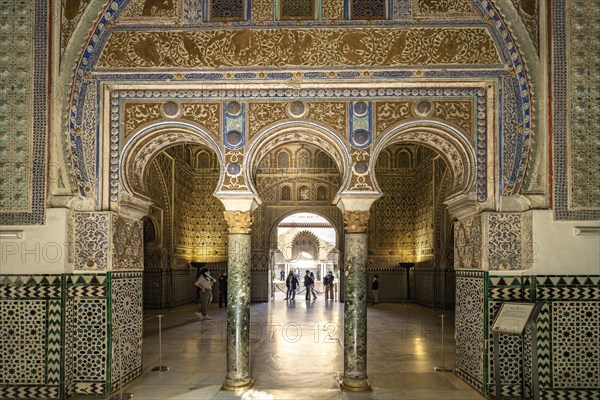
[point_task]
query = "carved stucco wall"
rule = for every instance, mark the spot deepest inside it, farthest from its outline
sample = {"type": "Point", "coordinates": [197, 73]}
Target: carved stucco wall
{"type": "Point", "coordinates": [200, 232]}
{"type": "Point", "coordinates": [401, 226]}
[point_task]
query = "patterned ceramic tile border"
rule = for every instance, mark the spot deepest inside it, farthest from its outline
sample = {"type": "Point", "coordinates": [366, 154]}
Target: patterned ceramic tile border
{"type": "Point", "coordinates": [560, 122]}
{"type": "Point", "coordinates": [471, 328]}
{"type": "Point", "coordinates": [69, 333]}
{"type": "Point", "coordinates": [568, 344]}
{"type": "Point", "coordinates": [126, 321]}
{"type": "Point", "coordinates": [30, 311]}
{"type": "Point", "coordinates": [33, 186]}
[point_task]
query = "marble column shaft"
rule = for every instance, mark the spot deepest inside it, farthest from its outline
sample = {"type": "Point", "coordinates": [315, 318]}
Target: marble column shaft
{"type": "Point", "coordinates": [238, 313]}
{"type": "Point", "coordinates": [355, 312]}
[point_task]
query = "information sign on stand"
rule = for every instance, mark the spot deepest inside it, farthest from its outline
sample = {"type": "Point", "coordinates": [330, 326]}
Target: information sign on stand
{"type": "Point", "coordinates": [512, 319]}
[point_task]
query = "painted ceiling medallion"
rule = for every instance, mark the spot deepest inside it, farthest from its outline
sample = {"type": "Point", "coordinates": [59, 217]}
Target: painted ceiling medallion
{"type": "Point", "coordinates": [422, 108]}
{"type": "Point", "coordinates": [361, 167]}
{"type": "Point", "coordinates": [233, 168]}
{"type": "Point", "coordinates": [360, 108]}
{"type": "Point", "coordinates": [234, 138]}
{"type": "Point", "coordinates": [234, 108]}
{"type": "Point", "coordinates": [171, 109]}
{"type": "Point", "coordinates": [297, 109]}
{"type": "Point", "coordinates": [360, 137]}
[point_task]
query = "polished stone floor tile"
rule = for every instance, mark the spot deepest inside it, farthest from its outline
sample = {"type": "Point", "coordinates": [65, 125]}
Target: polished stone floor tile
{"type": "Point", "coordinates": [297, 353]}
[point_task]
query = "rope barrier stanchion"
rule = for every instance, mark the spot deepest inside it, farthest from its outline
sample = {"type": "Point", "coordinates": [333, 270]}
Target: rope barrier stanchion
{"type": "Point", "coordinates": [442, 368]}
{"type": "Point", "coordinates": [160, 367]}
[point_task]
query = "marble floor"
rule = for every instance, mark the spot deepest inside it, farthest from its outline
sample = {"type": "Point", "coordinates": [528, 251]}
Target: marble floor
{"type": "Point", "coordinates": [296, 353]}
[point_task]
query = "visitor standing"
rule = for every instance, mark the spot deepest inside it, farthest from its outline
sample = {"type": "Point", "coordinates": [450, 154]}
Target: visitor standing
{"type": "Point", "coordinates": [223, 289]}
{"type": "Point", "coordinates": [307, 282]}
{"type": "Point", "coordinates": [291, 283]}
{"type": "Point", "coordinates": [328, 283]}
{"type": "Point", "coordinates": [375, 289]}
{"type": "Point", "coordinates": [312, 286]}
{"type": "Point", "coordinates": [204, 283]}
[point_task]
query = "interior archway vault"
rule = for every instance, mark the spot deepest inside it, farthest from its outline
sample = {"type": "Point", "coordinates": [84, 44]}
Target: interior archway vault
{"type": "Point", "coordinates": [449, 142]}
{"type": "Point", "coordinates": [143, 146]}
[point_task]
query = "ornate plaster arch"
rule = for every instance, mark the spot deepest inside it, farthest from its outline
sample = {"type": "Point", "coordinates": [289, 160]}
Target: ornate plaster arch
{"type": "Point", "coordinates": [452, 145]}
{"type": "Point", "coordinates": [97, 32]}
{"type": "Point", "coordinates": [145, 144]}
{"type": "Point", "coordinates": [297, 131]}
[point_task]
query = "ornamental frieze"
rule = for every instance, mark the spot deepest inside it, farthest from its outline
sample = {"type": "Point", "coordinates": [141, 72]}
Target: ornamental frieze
{"type": "Point", "coordinates": [315, 47]}
{"type": "Point", "coordinates": [458, 112]}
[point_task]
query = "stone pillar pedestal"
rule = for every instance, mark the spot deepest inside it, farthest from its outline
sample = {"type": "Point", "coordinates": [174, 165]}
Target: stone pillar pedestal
{"type": "Point", "coordinates": [355, 306]}
{"type": "Point", "coordinates": [238, 302]}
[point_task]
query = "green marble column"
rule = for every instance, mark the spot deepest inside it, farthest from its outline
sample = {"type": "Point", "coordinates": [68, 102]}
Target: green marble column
{"type": "Point", "coordinates": [238, 309]}
{"type": "Point", "coordinates": [355, 309]}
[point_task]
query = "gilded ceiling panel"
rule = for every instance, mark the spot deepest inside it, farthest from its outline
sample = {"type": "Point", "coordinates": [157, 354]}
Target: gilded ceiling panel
{"type": "Point", "coordinates": [458, 112]}
{"type": "Point", "coordinates": [316, 47]}
{"type": "Point", "coordinates": [261, 115]}
{"type": "Point", "coordinates": [138, 114]}
{"type": "Point", "coordinates": [205, 114]}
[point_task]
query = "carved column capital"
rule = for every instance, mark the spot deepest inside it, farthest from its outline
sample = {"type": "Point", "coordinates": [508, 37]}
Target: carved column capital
{"type": "Point", "coordinates": [356, 221]}
{"type": "Point", "coordinates": [238, 221]}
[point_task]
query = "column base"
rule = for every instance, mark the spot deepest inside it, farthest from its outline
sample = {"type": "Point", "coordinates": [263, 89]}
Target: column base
{"type": "Point", "coordinates": [237, 385]}
{"type": "Point", "coordinates": [355, 385]}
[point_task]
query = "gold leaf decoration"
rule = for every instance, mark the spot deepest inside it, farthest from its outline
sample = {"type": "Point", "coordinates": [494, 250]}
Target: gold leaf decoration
{"type": "Point", "coordinates": [138, 114]}
{"type": "Point", "coordinates": [302, 47]}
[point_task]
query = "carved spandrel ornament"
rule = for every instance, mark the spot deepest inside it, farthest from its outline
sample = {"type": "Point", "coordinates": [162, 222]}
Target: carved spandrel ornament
{"type": "Point", "coordinates": [356, 221]}
{"type": "Point", "coordinates": [238, 221]}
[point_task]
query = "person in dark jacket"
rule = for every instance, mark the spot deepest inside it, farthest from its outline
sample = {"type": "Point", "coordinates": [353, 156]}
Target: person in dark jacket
{"type": "Point", "coordinates": [375, 289]}
{"type": "Point", "coordinates": [328, 283]}
{"type": "Point", "coordinates": [308, 282]}
{"type": "Point", "coordinates": [291, 283]}
{"type": "Point", "coordinates": [223, 289]}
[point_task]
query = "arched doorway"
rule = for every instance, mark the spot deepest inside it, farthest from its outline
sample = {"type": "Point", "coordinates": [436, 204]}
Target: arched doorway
{"type": "Point", "coordinates": [305, 242]}
{"type": "Point", "coordinates": [295, 177]}
{"type": "Point", "coordinates": [408, 240]}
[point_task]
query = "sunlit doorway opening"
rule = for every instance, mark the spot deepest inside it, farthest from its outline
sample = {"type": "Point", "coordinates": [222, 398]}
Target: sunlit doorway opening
{"type": "Point", "coordinates": [306, 244]}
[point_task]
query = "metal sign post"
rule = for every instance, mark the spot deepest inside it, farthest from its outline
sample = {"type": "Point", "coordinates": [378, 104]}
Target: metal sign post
{"type": "Point", "coordinates": [512, 320]}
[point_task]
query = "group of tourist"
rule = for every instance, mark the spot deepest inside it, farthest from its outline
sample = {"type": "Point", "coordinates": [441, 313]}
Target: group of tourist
{"type": "Point", "coordinates": [205, 283]}
{"type": "Point", "coordinates": [292, 282]}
